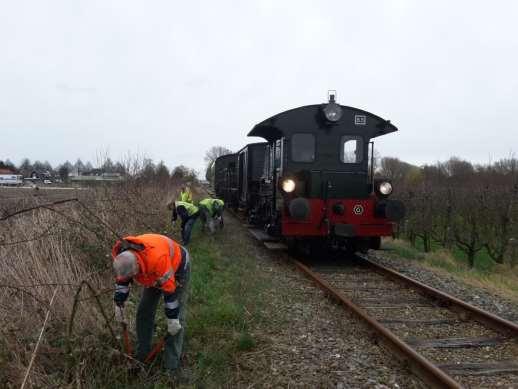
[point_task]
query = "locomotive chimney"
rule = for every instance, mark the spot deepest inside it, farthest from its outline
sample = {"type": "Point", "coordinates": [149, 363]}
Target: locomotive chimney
{"type": "Point", "coordinates": [331, 94]}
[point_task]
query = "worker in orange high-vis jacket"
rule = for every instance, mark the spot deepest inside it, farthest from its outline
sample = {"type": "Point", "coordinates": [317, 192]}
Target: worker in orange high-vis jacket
{"type": "Point", "coordinates": [162, 266]}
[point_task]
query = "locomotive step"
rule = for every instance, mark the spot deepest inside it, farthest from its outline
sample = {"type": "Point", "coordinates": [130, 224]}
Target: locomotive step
{"type": "Point", "coordinates": [262, 236]}
{"type": "Point", "coordinates": [275, 246]}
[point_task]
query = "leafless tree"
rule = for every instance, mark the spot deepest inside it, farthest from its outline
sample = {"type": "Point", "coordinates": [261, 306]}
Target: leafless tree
{"type": "Point", "coordinates": [214, 152]}
{"type": "Point", "coordinates": [394, 169]}
{"type": "Point", "coordinates": [455, 203]}
{"type": "Point", "coordinates": [210, 157]}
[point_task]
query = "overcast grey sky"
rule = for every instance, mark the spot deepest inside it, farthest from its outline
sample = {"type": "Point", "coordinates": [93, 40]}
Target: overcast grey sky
{"type": "Point", "coordinates": [172, 78]}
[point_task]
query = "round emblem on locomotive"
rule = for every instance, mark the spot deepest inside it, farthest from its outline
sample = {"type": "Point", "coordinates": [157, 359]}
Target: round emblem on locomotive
{"type": "Point", "coordinates": [358, 209]}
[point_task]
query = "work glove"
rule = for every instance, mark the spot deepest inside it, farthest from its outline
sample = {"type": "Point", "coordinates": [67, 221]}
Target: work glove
{"type": "Point", "coordinates": [119, 315]}
{"type": "Point", "coordinates": [211, 226]}
{"type": "Point", "coordinates": [173, 326]}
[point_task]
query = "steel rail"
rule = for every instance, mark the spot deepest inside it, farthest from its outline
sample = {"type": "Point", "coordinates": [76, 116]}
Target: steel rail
{"type": "Point", "coordinates": [495, 322]}
{"type": "Point", "coordinates": [418, 364]}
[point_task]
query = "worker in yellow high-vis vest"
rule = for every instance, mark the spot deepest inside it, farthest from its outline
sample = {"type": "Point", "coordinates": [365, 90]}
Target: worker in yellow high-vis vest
{"type": "Point", "coordinates": [188, 213]}
{"type": "Point", "coordinates": [211, 213]}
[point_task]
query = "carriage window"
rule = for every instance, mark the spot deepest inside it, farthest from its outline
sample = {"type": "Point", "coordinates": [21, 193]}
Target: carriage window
{"type": "Point", "coordinates": [266, 165]}
{"type": "Point", "coordinates": [303, 147]}
{"type": "Point", "coordinates": [351, 149]}
{"type": "Point", "coordinates": [277, 155]}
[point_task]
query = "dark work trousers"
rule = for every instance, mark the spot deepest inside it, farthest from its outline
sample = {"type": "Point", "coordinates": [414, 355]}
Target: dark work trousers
{"type": "Point", "coordinates": [206, 219]}
{"type": "Point", "coordinates": [187, 227]}
{"type": "Point", "coordinates": [146, 319]}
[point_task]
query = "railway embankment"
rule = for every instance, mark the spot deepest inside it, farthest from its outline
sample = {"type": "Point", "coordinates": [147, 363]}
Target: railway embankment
{"type": "Point", "coordinates": [299, 338]}
{"type": "Point", "coordinates": [444, 340]}
{"type": "Point", "coordinates": [293, 335]}
{"type": "Point", "coordinates": [494, 290]}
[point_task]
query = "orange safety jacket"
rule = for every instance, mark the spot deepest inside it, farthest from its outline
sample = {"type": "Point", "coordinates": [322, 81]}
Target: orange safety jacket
{"type": "Point", "coordinates": [158, 261]}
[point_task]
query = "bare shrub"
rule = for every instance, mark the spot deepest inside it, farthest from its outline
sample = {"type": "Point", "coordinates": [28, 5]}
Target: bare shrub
{"type": "Point", "coordinates": [64, 245]}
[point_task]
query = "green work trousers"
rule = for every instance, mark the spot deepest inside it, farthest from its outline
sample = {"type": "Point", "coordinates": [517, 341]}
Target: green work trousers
{"type": "Point", "coordinates": [146, 321]}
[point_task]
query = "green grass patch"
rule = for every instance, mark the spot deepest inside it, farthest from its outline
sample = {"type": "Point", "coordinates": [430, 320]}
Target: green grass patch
{"type": "Point", "coordinates": [483, 262]}
{"type": "Point", "coordinates": [403, 250]}
{"type": "Point", "coordinates": [245, 342]}
{"type": "Point", "coordinates": [224, 302]}
{"type": "Point", "coordinates": [502, 279]}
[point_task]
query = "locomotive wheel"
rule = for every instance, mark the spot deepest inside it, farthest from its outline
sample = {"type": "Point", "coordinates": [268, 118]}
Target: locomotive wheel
{"type": "Point", "coordinates": [292, 246]}
{"type": "Point", "coordinates": [375, 242]}
{"type": "Point", "coordinates": [363, 245]}
{"type": "Point", "coordinates": [318, 249]}
{"type": "Point", "coordinates": [350, 247]}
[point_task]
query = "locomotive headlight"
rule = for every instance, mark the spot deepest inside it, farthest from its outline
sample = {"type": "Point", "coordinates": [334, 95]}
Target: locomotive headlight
{"type": "Point", "coordinates": [333, 112]}
{"type": "Point", "coordinates": [288, 185]}
{"type": "Point", "coordinates": [385, 188]}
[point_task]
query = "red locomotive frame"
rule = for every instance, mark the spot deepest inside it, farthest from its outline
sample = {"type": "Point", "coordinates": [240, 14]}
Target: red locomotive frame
{"type": "Point", "coordinates": [364, 222]}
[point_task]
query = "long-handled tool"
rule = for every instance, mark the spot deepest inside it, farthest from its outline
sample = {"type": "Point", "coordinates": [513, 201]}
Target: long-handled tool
{"type": "Point", "coordinates": [154, 352]}
{"type": "Point", "coordinates": [126, 339]}
{"type": "Point", "coordinates": [125, 335]}
{"type": "Point", "coordinates": [129, 349]}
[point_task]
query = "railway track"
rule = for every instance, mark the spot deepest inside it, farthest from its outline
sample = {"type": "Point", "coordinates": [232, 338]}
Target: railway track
{"type": "Point", "coordinates": [443, 340]}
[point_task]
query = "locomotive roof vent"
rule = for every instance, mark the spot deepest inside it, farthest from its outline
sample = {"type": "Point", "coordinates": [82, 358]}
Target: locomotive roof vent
{"type": "Point", "coordinates": [332, 111]}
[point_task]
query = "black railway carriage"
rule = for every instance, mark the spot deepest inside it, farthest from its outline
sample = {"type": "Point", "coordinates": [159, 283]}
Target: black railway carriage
{"type": "Point", "coordinates": [226, 179]}
{"type": "Point", "coordinates": [316, 187]}
{"type": "Point", "coordinates": [251, 172]}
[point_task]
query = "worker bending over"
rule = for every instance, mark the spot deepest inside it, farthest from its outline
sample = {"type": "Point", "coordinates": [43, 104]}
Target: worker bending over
{"type": "Point", "coordinates": [188, 214]}
{"type": "Point", "coordinates": [211, 213]}
{"type": "Point", "coordinates": [162, 266]}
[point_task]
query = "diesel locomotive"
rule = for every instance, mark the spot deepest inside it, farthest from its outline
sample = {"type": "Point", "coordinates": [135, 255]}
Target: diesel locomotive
{"type": "Point", "coordinates": [312, 181]}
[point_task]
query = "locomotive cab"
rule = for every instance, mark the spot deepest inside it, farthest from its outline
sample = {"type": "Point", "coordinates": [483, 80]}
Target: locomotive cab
{"type": "Point", "coordinates": [317, 182]}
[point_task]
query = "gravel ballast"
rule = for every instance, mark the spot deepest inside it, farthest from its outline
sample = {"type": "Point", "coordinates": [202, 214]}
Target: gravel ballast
{"type": "Point", "coordinates": [476, 296]}
{"type": "Point", "coordinates": [305, 339]}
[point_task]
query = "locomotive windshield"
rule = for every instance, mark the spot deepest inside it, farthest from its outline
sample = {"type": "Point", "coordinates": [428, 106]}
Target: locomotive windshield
{"type": "Point", "coordinates": [351, 149]}
{"type": "Point", "coordinates": [303, 147]}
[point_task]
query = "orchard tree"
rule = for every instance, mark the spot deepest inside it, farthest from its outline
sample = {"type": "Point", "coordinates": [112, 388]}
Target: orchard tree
{"type": "Point", "coordinates": [394, 169]}
{"type": "Point", "coordinates": [458, 169]}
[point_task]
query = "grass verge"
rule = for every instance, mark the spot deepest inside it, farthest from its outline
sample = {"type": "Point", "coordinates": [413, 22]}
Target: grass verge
{"type": "Point", "coordinates": [225, 301]}
{"type": "Point", "coordinates": [35, 260]}
{"type": "Point", "coordinates": [224, 304]}
{"type": "Point", "coordinates": [502, 279]}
